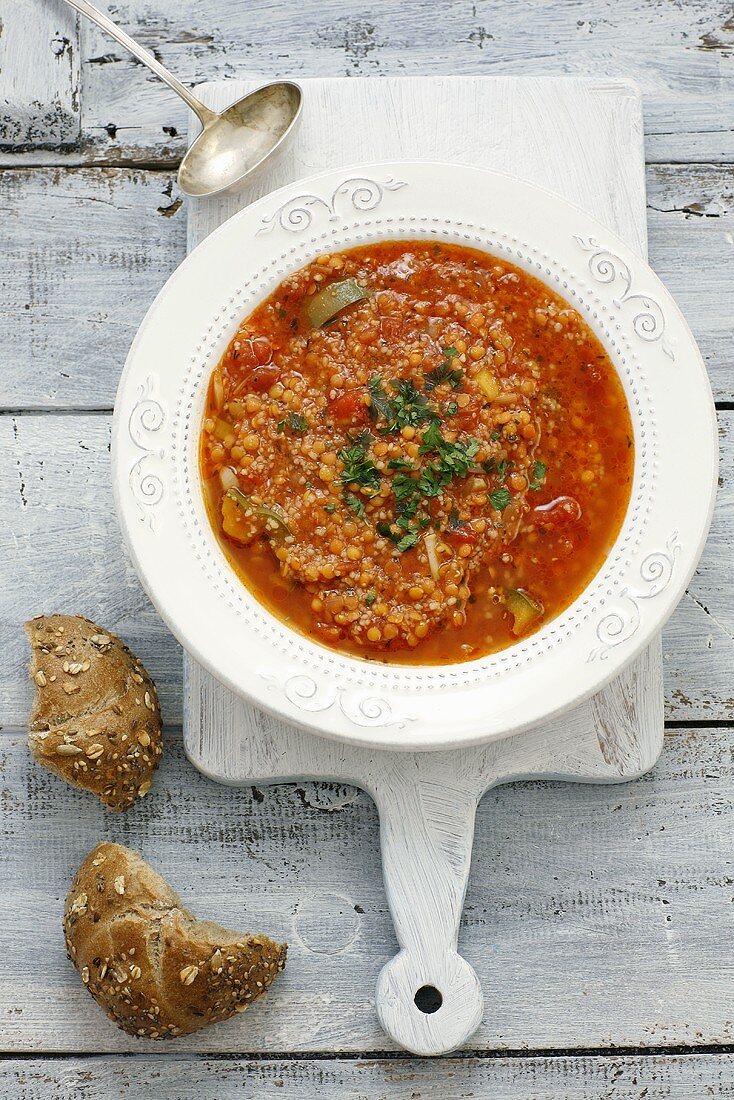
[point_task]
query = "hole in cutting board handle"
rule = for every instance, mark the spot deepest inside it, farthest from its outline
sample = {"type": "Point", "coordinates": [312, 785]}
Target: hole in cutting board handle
{"type": "Point", "coordinates": [428, 999]}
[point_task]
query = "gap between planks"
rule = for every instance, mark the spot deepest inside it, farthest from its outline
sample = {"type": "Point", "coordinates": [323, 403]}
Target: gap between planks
{"type": "Point", "coordinates": [465, 1054]}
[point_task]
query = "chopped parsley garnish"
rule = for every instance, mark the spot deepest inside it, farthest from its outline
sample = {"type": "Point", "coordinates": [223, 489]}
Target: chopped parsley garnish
{"type": "Point", "coordinates": [358, 467]}
{"type": "Point", "coordinates": [500, 498]}
{"type": "Point", "coordinates": [294, 421]}
{"type": "Point", "coordinates": [379, 401]}
{"type": "Point", "coordinates": [330, 508]}
{"type": "Point", "coordinates": [538, 475]}
{"type": "Point", "coordinates": [444, 373]}
{"type": "Point", "coordinates": [413, 486]}
{"type": "Point", "coordinates": [370, 597]}
{"type": "Point", "coordinates": [454, 459]}
{"type": "Point", "coordinates": [355, 504]}
{"type": "Point", "coordinates": [407, 409]}
{"type": "Point", "coordinates": [364, 438]}
{"type": "Point", "coordinates": [452, 408]}
{"type": "Point", "coordinates": [407, 542]}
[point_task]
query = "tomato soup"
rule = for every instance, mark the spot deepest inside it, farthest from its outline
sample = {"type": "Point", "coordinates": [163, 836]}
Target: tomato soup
{"type": "Point", "coordinates": [415, 452]}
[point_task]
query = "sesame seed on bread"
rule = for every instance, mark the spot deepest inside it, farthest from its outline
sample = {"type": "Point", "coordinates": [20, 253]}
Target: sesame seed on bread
{"type": "Point", "coordinates": [96, 721]}
{"type": "Point", "coordinates": [155, 969]}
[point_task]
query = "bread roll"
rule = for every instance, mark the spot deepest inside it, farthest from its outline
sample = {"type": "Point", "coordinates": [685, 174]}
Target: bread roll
{"type": "Point", "coordinates": [156, 970]}
{"type": "Point", "coordinates": [96, 720]}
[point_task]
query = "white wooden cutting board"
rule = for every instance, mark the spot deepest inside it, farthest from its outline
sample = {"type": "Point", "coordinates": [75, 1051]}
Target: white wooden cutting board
{"type": "Point", "coordinates": [582, 139]}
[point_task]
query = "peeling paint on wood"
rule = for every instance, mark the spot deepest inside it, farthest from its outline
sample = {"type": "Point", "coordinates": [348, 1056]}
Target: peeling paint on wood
{"type": "Point", "coordinates": [39, 75]}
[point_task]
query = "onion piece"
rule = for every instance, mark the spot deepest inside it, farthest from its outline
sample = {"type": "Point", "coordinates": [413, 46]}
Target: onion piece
{"type": "Point", "coordinates": [228, 478]}
{"type": "Point", "coordinates": [430, 543]}
{"type": "Point", "coordinates": [218, 390]}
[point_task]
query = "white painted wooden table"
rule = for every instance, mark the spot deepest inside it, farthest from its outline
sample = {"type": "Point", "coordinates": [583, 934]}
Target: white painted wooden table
{"type": "Point", "coordinates": [604, 916]}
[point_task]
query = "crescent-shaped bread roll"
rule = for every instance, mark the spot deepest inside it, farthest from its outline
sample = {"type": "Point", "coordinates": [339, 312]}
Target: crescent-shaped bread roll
{"type": "Point", "coordinates": [96, 721]}
{"type": "Point", "coordinates": [155, 969]}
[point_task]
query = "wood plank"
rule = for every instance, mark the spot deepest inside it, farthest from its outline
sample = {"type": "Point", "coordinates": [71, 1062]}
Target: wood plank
{"type": "Point", "coordinates": [84, 254]}
{"type": "Point", "coordinates": [615, 927]}
{"type": "Point", "coordinates": [61, 539]}
{"type": "Point", "coordinates": [622, 1077]}
{"type": "Point", "coordinates": [39, 75]}
{"type": "Point", "coordinates": [87, 250]}
{"type": "Point", "coordinates": [679, 53]}
{"type": "Point", "coordinates": [690, 219]}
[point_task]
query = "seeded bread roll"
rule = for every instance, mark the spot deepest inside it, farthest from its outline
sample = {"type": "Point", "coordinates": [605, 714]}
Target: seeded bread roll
{"type": "Point", "coordinates": [96, 720]}
{"type": "Point", "coordinates": [156, 970]}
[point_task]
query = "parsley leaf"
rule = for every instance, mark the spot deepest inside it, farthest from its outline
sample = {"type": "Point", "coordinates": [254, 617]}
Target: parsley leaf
{"type": "Point", "coordinates": [443, 373]}
{"type": "Point", "coordinates": [370, 597]}
{"type": "Point", "coordinates": [358, 467]}
{"type": "Point", "coordinates": [330, 508]}
{"type": "Point", "coordinates": [408, 408]}
{"type": "Point", "coordinates": [294, 421]}
{"type": "Point", "coordinates": [500, 498]}
{"type": "Point", "coordinates": [379, 401]}
{"type": "Point", "coordinates": [355, 505]}
{"type": "Point", "coordinates": [414, 485]}
{"type": "Point", "coordinates": [538, 475]}
{"type": "Point", "coordinates": [455, 459]}
{"type": "Point", "coordinates": [407, 542]}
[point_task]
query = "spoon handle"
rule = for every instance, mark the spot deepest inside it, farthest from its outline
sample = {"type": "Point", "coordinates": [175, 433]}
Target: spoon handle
{"type": "Point", "coordinates": [103, 20]}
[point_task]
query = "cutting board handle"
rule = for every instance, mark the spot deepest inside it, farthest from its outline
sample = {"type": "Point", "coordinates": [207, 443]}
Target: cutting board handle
{"type": "Point", "coordinates": [428, 998]}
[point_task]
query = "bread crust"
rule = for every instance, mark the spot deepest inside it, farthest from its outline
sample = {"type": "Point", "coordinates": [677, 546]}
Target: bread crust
{"type": "Point", "coordinates": [155, 969]}
{"type": "Point", "coordinates": [96, 721]}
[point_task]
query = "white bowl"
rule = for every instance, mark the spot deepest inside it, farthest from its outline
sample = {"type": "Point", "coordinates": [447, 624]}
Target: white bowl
{"type": "Point", "coordinates": [156, 435]}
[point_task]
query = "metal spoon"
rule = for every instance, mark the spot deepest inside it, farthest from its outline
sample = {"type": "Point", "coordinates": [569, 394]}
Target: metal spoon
{"type": "Point", "coordinates": [231, 145]}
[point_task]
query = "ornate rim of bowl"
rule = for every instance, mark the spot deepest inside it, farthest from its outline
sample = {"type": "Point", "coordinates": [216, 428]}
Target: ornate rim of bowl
{"type": "Point", "coordinates": [158, 496]}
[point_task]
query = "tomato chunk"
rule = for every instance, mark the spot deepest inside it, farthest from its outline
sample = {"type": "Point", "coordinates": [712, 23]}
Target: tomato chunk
{"type": "Point", "coordinates": [349, 408]}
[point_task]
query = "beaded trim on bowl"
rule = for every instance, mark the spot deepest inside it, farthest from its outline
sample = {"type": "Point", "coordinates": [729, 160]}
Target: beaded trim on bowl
{"type": "Point", "coordinates": [608, 586]}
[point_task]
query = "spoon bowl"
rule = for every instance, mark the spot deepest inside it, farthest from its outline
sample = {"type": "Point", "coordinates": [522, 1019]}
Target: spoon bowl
{"type": "Point", "coordinates": [233, 144]}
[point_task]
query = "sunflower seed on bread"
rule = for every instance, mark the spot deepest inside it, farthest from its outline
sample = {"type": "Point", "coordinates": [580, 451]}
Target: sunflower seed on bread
{"type": "Point", "coordinates": [96, 721]}
{"type": "Point", "coordinates": [155, 969]}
